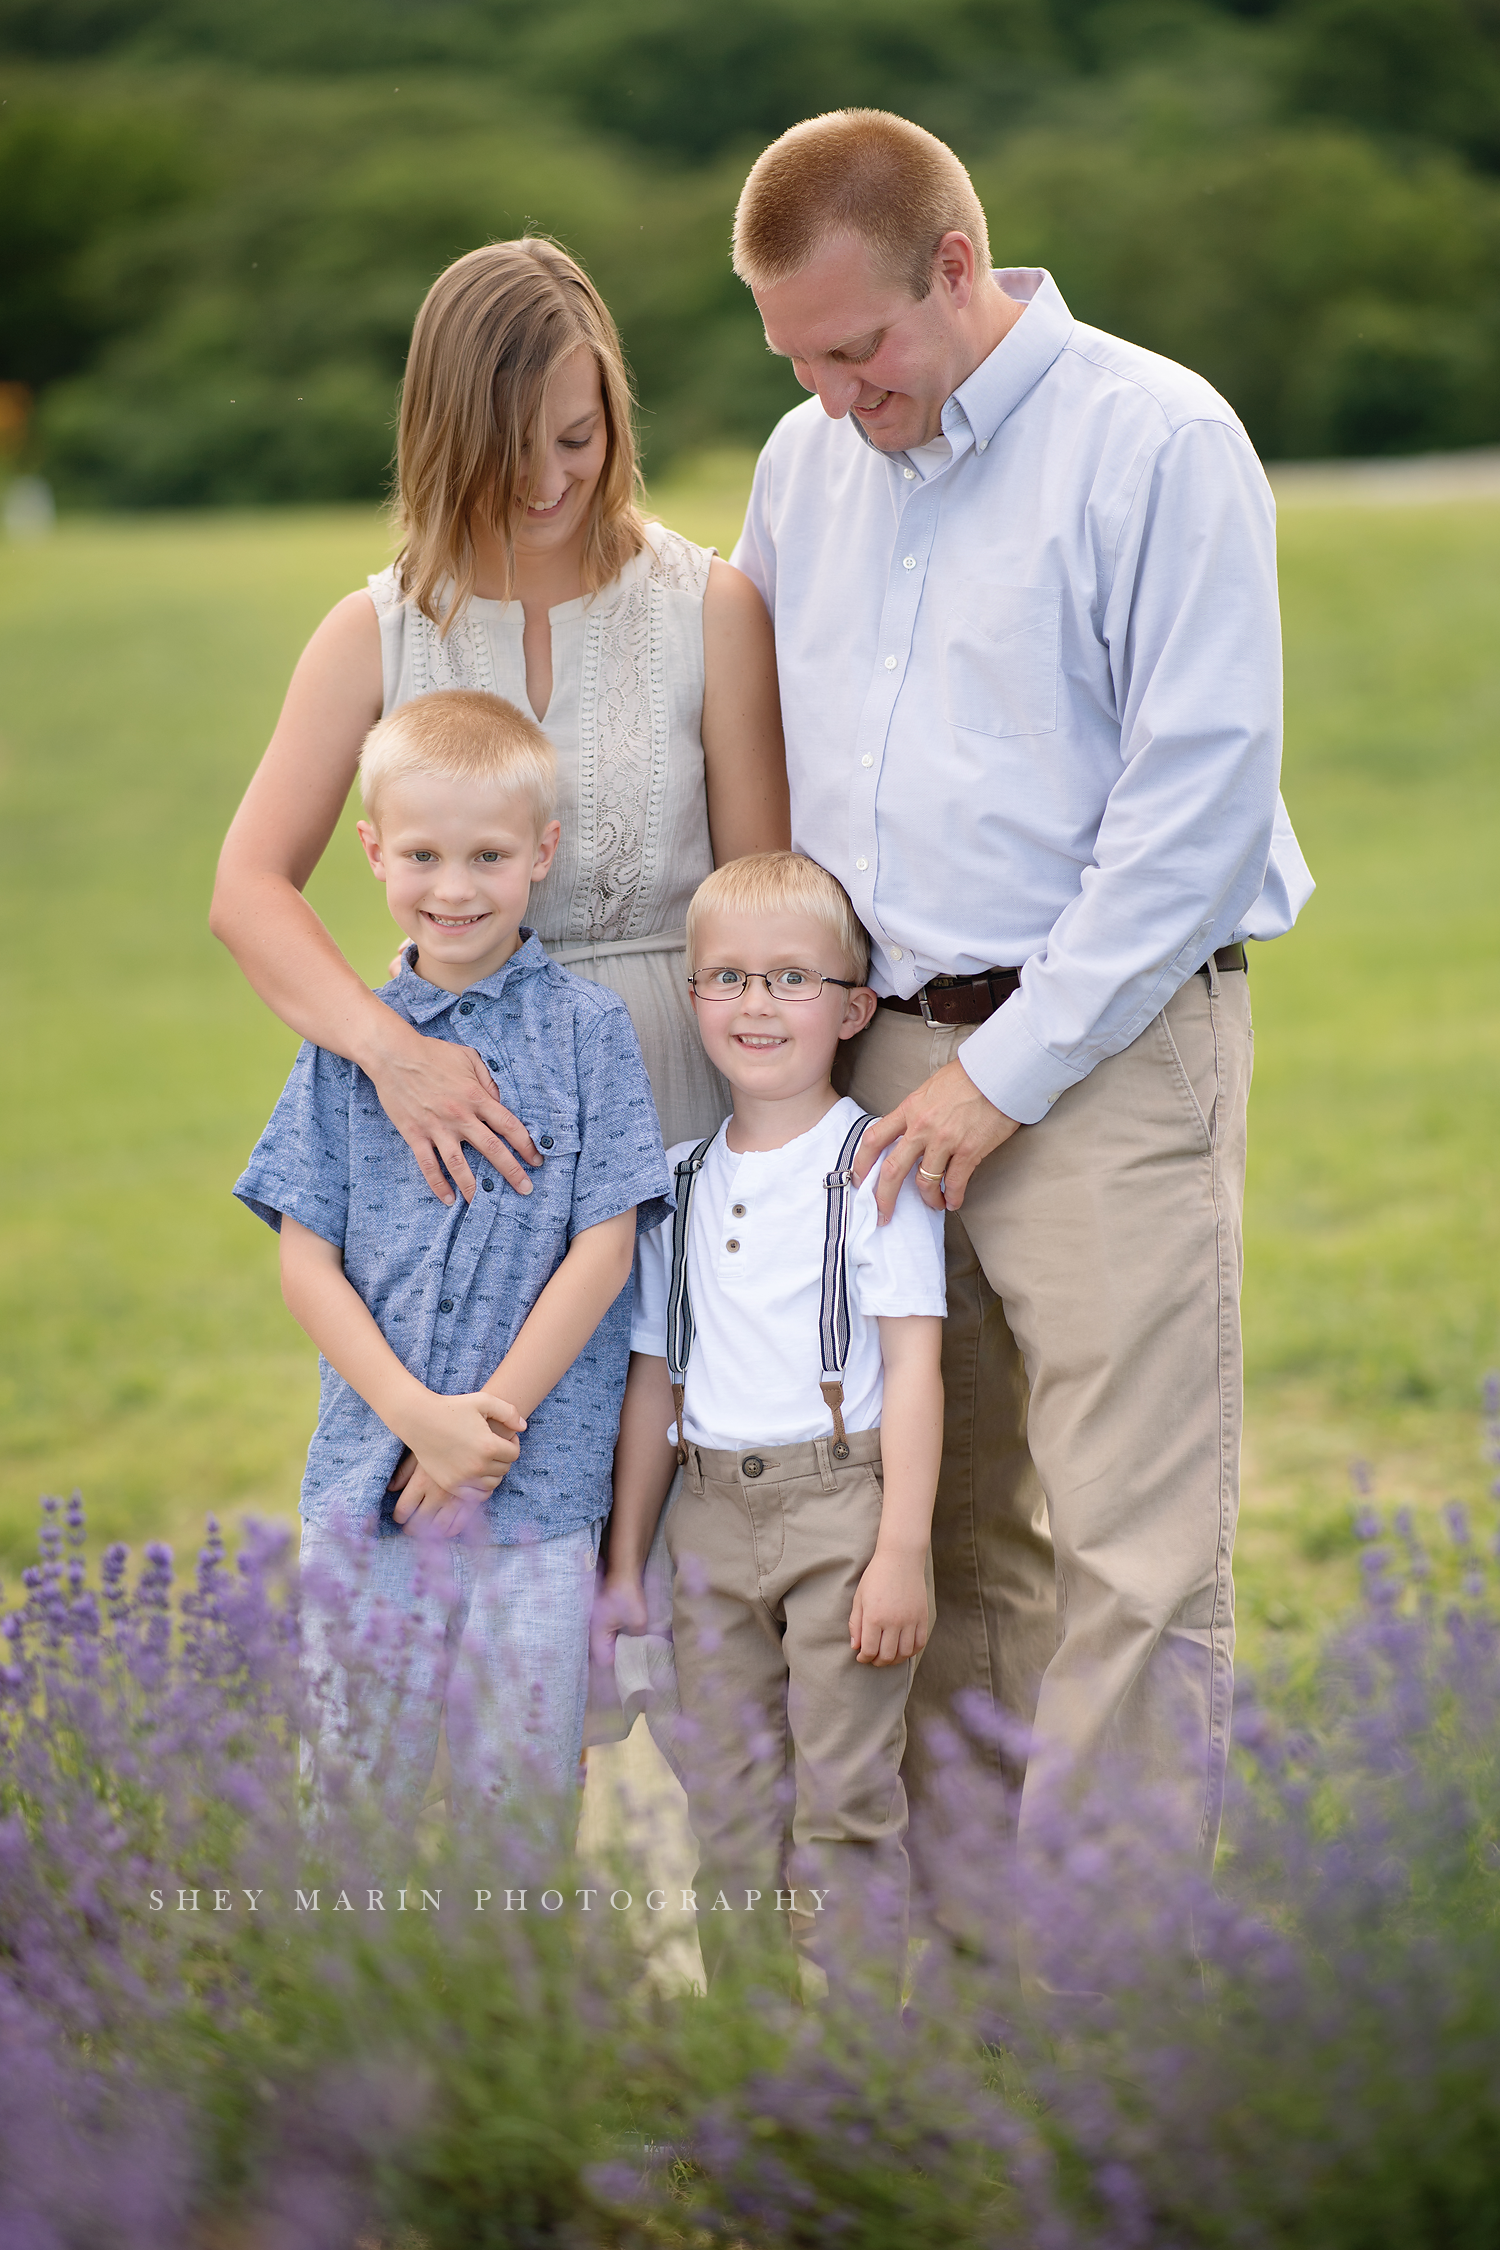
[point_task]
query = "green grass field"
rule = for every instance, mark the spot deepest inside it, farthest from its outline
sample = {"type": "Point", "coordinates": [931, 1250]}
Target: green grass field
{"type": "Point", "coordinates": [147, 1355]}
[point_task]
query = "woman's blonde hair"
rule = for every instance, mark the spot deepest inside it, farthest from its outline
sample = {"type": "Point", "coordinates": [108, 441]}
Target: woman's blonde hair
{"type": "Point", "coordinates": [492, 332]}
{"type": "Point", "coordinates": [780, 883]}
{"type": "Point", "coordinates": [861, 172]}
{"type": "Point", "coordinates": [461, 734]}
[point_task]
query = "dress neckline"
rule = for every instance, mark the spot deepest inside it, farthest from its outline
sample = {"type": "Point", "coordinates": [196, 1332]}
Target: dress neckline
{"type": "Point", "coordinates": [636, 566]}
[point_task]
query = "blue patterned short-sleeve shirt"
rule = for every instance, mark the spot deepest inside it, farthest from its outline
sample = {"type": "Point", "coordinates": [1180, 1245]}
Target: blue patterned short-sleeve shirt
{"type": "Point", "coordinates": [450, 1286]}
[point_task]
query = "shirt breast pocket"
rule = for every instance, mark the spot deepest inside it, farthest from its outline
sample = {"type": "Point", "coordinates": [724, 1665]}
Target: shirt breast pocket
{"type": "Point", "coordinates": [1001, 660]}
{"type": "Point", "coordinates": [559, 1142]}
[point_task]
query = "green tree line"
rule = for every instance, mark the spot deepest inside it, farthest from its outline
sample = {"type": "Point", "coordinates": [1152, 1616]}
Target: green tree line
{"type": "Point", "coordinates": [220, 215]}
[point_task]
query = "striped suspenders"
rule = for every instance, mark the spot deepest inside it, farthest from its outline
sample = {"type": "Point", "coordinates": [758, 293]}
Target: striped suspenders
{"type": "Point", "coordinates": [833, 1311]}
{"type": "Point", "coordinates": [679, 1304]}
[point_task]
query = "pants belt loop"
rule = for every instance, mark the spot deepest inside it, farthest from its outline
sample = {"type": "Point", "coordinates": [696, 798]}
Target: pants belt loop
{"type": "Point", "coordinates": [1210, 972]}
{"type": "Point", "coordinates": [692, 1474]}
{"type": "Point", "coordinates": [825, 1464]}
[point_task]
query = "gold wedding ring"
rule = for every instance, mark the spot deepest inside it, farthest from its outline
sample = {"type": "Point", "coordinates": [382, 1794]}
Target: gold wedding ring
{"type": "Point", "coordinates": [924, 1174]}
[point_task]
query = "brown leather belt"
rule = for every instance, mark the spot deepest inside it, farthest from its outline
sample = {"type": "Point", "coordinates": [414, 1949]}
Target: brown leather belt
{"type": "Point", "coordinates": [964, 1000]}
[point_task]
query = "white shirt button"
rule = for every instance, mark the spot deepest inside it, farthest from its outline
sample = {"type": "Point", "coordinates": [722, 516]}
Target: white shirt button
{"type": "Point", "coordinates": [908, 562]}
{"type": "Point", "coordinates": [896, 954]}
{"type": "Point", "coordinates": [867, 760]}
{"type": "Point", "coordinates": [890, 664]}
{"type": "Point", "coordinates": [984, 441]}
{"type": "Point", "coordinates": [909, 473]}
{"type": "Point", "coordinates": [861, 864]}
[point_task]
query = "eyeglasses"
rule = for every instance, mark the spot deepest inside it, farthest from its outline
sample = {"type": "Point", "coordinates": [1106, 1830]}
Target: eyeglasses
{"type": "Point", "coordinates": [782, 984]}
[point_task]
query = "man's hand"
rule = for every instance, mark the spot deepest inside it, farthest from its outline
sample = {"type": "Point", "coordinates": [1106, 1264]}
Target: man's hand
{"type": "Point", "coordinates": [462, 1445]}
{"type": "Point", "coordinates": [888, 1623]}
{"type": "Point", "coordinates": [619, 1607]}
{"type": "Point", "coordinates": [438, 1096]}
{"type": "Point", "coordinates": [944, 1128]}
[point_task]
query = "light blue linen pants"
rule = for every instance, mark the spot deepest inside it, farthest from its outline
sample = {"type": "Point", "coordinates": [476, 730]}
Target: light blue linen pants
{"type": "Point", "coordinates": [396, 1630]}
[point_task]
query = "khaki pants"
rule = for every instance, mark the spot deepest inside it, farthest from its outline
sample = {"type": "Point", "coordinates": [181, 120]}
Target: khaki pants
{"type": "Point", "coordinates": [1091, 1359]}
{"type": "Point", "coordinates": [795, 1773]}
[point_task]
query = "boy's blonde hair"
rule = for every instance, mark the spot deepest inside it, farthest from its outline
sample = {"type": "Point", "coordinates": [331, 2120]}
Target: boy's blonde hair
{"type": "Point", "coordinates": [461, 734]}
{"type": "Point", "coordinates": [780, 883]}
{"type": "Point", "coordinates": [492, 331]}
{"type": "Point", "coordinates": [861, 172]}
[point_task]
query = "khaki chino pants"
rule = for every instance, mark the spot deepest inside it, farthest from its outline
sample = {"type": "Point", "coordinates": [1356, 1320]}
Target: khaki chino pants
{"type": "Point", "coordinates": [795, 1773]}
{"type": "Point", "coordinates": [1086, 1508]}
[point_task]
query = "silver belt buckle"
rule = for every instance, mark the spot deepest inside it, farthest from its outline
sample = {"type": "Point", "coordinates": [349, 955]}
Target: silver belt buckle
{"type": "Point", "coordinates": [927, 1015]}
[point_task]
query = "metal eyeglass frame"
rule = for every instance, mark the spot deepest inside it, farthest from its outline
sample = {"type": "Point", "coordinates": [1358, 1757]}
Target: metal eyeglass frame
{"type": "Point", "coordinates": [748, 976]}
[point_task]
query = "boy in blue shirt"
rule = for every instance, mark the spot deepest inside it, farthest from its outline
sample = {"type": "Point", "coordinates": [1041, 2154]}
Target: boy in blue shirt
{"type": "Point", "coordinates": [450, 1333]}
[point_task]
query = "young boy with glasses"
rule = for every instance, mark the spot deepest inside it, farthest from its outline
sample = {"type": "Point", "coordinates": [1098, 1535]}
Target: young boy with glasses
{"type": "Point", "coordinates": [785, 1366]}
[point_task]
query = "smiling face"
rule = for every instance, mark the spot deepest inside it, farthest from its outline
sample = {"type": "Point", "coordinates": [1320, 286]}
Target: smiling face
{"type": "Point", "coordinates": [775, 1050]}
{"type": "Point", "coordinates": [458, 859]}
{"type": "Point", "coordinates": [569, 448]}
{"type": "Point", "coordinates": [869, 349]}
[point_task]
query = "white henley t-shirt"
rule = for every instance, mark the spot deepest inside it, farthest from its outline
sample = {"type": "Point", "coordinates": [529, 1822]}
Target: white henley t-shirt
{"type": "Point", "coordinates": [755, 1262]}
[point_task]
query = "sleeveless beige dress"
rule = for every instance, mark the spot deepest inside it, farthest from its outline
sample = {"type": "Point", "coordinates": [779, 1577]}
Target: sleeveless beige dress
{"type": "Point", "coordinates": [626, 721]}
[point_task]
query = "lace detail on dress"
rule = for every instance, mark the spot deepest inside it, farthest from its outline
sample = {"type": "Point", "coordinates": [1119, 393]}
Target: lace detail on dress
{"type": "Point", "coordinates": [385, 589]}
{"type": "Point", "coordinates": [676, 562]}
{"type": "Point", "coordinates": [459, 658]}
{"type": "Point", "coordinates": [622, 767]}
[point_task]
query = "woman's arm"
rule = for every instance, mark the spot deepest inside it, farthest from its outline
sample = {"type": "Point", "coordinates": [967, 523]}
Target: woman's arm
{"type": "Point", "coordinates": [437, 1095]}
{"type": "Point", "coordinates": [744, 757]}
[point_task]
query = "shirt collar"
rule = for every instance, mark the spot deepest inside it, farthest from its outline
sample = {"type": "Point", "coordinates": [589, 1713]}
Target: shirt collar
{"type": "Point", "coordinates": [975, 411]}
{"type": "Point", "coordinates": [423, 1002]}
{"type": "Point", "coordinates": [1022, 356]}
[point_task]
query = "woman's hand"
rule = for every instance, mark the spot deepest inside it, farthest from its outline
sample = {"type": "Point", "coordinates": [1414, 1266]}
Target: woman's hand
{"type": "Point", "coordinates": [438, 1096]}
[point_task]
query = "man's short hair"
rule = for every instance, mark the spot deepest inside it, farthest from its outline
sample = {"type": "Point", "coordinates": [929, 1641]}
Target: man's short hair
{"type": "Point", "coordinates": [780, 883]}
{"type": "Point", "coordinates": [461, 734]}
{"type": "Point", "coordinates": [861, 172]}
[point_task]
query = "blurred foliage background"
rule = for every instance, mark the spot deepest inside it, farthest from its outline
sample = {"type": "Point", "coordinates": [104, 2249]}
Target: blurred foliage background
{"type": "Point", "coordinates": [220, 215]}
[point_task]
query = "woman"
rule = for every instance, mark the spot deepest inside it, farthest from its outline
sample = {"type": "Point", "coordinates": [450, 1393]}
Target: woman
{"type": "Point", "coordinates": [525, 568]}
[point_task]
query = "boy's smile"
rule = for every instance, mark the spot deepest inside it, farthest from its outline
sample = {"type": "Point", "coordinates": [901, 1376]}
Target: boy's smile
{"type": "Point", "coordinates": [458, 859]}
{"type": "Point", "coordinates": [776, 1053]}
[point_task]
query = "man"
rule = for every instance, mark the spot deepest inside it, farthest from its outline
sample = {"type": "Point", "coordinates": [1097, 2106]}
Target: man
{"type": "Point", "coordinates": [1023, 582]}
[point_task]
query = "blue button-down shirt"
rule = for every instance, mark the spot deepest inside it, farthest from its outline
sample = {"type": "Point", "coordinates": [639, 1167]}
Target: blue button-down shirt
{"type": "Point", "coordinates": [1033, 695]}
{"type": "Point", "coordinates": [449, 1286]}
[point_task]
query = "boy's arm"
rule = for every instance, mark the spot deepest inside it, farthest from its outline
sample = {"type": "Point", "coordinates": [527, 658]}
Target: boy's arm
{"type": "Point", "coordinates": [888, 1622]}
{"type": "Point", "coordinates": [645, 1462]}
{"type": "Point", "coordinates": [565, 1315]}
{"type": "Point", "coordinates": [569, 1309]}
{"type": "Point", "coordinates": [453, 1438]}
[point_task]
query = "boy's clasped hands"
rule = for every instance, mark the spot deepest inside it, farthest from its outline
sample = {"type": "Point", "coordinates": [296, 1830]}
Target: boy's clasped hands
{"type": "Point", "coordinates": [457, 1452]}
